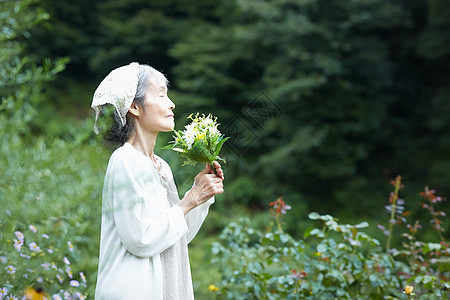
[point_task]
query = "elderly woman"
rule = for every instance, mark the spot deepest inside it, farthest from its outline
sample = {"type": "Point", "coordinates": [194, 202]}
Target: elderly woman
{"type": "Point", "coordinates": [145, 226]}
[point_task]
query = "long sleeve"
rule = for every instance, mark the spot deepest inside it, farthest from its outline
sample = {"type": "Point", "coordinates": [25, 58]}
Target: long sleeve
{"type": "Point", "coordinates": [196, 217]}
{"type": "Point", "coordinates": [145, 223]}
{"type": "Point", "coordinates": [143, 247]}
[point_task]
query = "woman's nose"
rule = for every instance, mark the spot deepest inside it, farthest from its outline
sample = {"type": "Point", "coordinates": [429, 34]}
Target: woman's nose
{"type": "Point", "coordinates": [171, 104]}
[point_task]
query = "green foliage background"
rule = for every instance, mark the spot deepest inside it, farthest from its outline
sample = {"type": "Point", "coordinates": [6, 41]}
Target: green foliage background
{"type": "Point", "coordinates": [360, 88]}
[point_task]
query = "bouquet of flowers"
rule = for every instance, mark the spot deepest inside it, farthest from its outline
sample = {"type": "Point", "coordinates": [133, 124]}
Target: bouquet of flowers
{"type": "Point", "coordinates": [200, 141]}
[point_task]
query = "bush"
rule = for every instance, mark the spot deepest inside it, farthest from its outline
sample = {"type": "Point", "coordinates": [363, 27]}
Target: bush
{"type": "Point", "coordinates": [49, 188]}
{"type": "Point", "coordinates": [332, 261]}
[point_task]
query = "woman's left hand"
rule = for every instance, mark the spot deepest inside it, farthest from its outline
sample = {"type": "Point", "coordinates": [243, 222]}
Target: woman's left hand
{"type": "Point", "coordinates": [207, 184]}
{"type": "Point", "coordinates": [219, 171]}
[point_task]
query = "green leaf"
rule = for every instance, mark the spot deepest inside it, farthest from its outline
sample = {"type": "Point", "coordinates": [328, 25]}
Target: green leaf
{"type": "Point", "coordinates": [219, 146]}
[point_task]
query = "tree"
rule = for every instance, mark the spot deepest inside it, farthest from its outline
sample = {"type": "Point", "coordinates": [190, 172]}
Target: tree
{"type": "Point", "coordinates": [325, 65]}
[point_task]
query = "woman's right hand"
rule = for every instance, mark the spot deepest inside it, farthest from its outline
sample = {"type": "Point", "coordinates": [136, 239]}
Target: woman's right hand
{"type": "Point", "coordinates": [207, 184]}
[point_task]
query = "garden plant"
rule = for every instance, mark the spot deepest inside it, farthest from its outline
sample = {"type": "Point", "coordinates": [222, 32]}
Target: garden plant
{"type": "Point", "coordinates": [333, 260]}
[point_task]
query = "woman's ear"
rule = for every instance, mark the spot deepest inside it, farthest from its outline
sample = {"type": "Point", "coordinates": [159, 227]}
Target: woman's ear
{"type": "Point", "coordinates": [134, 109]}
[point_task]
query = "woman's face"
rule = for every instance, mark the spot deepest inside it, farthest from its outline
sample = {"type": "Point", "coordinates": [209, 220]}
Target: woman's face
{"type": "Point", "coordinates": [156, 114]}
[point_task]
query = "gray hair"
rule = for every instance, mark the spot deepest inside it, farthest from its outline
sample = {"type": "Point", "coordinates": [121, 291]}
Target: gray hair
{"type": "Point", "coordinates": [117, 134]}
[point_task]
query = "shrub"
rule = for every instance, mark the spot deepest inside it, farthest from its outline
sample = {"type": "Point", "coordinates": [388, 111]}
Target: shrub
{"type": "Point", "coordinates": [332, 261]}
{"type": "Point", "coordinates": [49, 188]}
{"type": "Point", "coordinates": [30, 260]}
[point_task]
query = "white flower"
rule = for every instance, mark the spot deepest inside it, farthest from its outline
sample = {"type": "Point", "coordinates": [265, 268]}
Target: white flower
{"type": "Point", "coordinates": [189, 136]}
{"type": "Point", "coordinates": [66, 261]}
{"type": "Point", "coordinates": [40, 279]}
{"type": "Point", "coordinates": [45, 236]}
{"type": "Point", "coordinates": [189, 128]}
{"type": "Point", "coordinates": [3, 292]}
{"type": "Point", "coordinates": [34, 247]}
{"type": "Point", "coordinates": [33, 228]}
{"type": "Point", "coordinates": [3, 259]}
{"type": "Point", "coordinates": [69, 272]}
{"type": "Point", "coordinates": [46, 266]}
{"type": "Point", "coordinates": [69, 244]}
{"type": "Point", "coordinates": [56, 297]}
{"type": "Point", "coordinates": [19, 235]}
{"type": "Point", "coordinates": [67, 295]}
{"type": "Point", "coordinates": [206, 122]}
{"type": "Point", "coordinates": [74, 283]}
{"type": "Point", "coordinates": [83, 277]}
{"type": "Point", "coordinates": [60, 278]}
{"type": "Point", "coordinates": [10, 269]}
{"type": "Point", "coordinates": [79, 295]}
{"type": "Point", "coordinates": [214, 131]}
{"type": "Point", "coordinates": [18, 244]}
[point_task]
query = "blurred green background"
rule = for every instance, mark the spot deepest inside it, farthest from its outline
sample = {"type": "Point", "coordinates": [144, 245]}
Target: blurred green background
{"type": "Point", "coordinates": [325, 101]}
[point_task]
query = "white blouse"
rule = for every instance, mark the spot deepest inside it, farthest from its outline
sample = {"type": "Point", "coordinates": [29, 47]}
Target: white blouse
{"type": "Point", "coordinates": [144, 234]}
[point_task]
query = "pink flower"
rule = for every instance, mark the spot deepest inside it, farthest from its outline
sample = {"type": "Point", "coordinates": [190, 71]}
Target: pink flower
{"type": "Point", "coordinates": [279, 207]}
{"type": "Point", "coordinates": [298, 275]}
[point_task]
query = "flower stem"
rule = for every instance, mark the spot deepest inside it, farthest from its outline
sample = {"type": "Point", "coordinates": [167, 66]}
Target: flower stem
{"type": "Point", "coordinates": [393, 208]}
{"type": "Point", "coordinates": [278, 223]}
{"type": "Point", "coordinates": [214, 168]}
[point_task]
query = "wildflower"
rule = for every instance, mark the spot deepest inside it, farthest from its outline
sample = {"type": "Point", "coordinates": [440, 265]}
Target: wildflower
{"type": "Point", "coordinates": [33, 228]}
{"type": "Point", "coordinates": [19, 235]}
{"type": "Point", "coordinates": [69, 244]}
{"type": "Point", "coordinates": [50, 250]}
{"type": "Point", "coordinates": [69, 272]}
{"type": "Point", "coordinates": [213, 288]}
{"type": "Point", "coordinates": [3, 292]}
{"type": "Point", "coordinates": [189, 136]}
{"type": "Point", "coordinates": [56, 297]}
{"type": "Point", "coordinates": [279, 206]}
{"type": "Point", "coordinates": [10, 269]}
{"type": "Point", "coordinates": [298, 275]}
{"type": "Point", "coordinates": [25, 256]}
{"type": "Point", "coordinates": [74, 283]}
{"type": "Point", "coordinates": [83, 277]}
{"type": "Point", "coordinates": [46, 266]}
{"type": "Point", "coordinates": [79, 295]}
{"type": "Point", "coordinates": [67, 295]}
{"type": "Point", "coordinates": [3, 259]}
{"type": "Point", "coordinates": [11, 298]}
{"type": "Point", "coordinates": [40, 279]}
{"type": "Point", "coordinates": [409, 290]}
{"type": "Point", "coordinates": [35, 294]}
{"type": "Point", "coordinates": [45, 236]}
{"type": "Point", "coordinates": [66, 261]}
{"type": "Point", "coordinates": [60, 278]}
{"type": "Point", "coordinates": [18, 244]}
{"type": "Point", "coordinates": [200, 141]}
{"type": "Point", "coordinates": [34, 247]}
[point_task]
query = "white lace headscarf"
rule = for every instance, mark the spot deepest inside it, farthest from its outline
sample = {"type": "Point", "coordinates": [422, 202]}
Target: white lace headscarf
{"type": "Point", "coordinates": [118, 89]}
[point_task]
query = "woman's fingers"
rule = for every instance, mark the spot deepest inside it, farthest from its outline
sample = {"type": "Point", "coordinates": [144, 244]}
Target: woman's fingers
{"type": "Point", "coordinates": [218, 168]}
